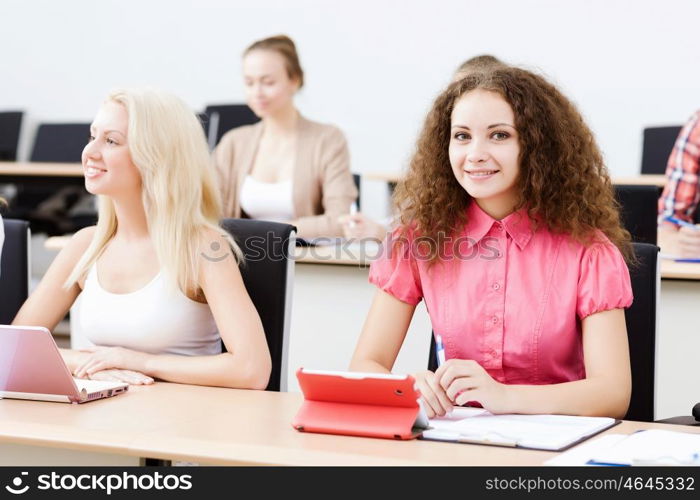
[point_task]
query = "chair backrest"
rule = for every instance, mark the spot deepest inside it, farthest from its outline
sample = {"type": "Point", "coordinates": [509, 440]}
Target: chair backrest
{"type": "Point", "coordinates": [268, 274]}
{"type": "Point", "coordinates": [642, 323]}
{"type": "Point", "coordinates": [656, 148]}
{"type": "Point", "coordinates": [357, 178]}
{"type": "Point", "coordinates": [224, 117]}
{"type": "Point", "coordinates": [10, 125]}
{"type": "Point", "coordinates": [14, 269]}
{"type": "Point", "coordinates": [638, 208]}
{"type": "Point", "coordinates": [60, 142]}
{"type": "Point", "coordinates": [204, 120]}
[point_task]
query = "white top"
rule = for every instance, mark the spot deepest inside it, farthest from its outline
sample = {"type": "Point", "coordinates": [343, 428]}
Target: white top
{"type": "Point", "coordinates": [267, 200]}
{"type": "Point", "coordinates": [157, 319]}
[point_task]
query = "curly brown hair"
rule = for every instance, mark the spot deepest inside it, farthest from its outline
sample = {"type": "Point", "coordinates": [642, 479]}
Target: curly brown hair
{"type": "Point", "coordinates": [563, 181]}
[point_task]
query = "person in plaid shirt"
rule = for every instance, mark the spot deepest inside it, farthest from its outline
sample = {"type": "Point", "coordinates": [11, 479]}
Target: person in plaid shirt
{"type": "Point", "coordinates": [682, 192]}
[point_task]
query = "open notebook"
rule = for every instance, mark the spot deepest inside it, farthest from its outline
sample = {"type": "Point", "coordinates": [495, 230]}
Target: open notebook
{"type": "Point", "coordinates": [540, 432]}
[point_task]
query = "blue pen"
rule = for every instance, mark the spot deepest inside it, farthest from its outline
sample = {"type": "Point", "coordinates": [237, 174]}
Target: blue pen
{"type": "Point", "coordinates": [439, 350]}
{"type": "Point", "coordinates": [680, 222]}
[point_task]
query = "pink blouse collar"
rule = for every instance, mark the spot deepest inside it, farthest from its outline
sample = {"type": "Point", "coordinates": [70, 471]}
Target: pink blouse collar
{"type": "Point", "coordinates": [518, 225]}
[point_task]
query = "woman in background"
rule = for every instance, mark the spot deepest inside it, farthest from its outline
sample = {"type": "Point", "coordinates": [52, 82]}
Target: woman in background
{"type": "Point", "coordinates": [284, 168]}
{"type": "Point", "coordinates": [156, 299]}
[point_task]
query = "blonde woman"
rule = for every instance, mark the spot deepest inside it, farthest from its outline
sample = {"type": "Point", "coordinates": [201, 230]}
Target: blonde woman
{"type": "Point", "coordinates": [156, 299]}
{"type": "Point", "coordinates": [284, 168]}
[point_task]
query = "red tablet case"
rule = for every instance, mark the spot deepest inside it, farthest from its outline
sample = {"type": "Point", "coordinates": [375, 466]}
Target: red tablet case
{"type": "Point", "coordinates": [357, 405]}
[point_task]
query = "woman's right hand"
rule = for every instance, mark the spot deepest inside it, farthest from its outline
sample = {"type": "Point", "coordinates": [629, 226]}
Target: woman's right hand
{"type": "Point", "coordinates": [126, 376]}
{"type": "Point", "coordinates": [434, 397]}
{"type": "Point", "coordinates": [689, 241]}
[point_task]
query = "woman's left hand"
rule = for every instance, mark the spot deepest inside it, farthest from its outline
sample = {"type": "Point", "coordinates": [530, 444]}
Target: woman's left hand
{"type": "Point", "coordinates": [466, 380]}
{"type": "Point", "coordinates": [104, 358]}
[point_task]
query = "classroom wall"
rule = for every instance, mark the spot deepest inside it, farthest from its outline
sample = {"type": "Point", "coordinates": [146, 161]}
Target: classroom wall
{"type": "Point", "coordinates": [372, 66]}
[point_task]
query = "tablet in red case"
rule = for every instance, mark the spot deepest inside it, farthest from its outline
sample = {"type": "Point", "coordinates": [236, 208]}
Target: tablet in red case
{"type": "Point", "coordinates": [359, 404]}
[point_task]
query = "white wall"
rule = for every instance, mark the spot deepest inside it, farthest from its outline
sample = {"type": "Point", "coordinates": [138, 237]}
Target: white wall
{"type": "Point", "coordinates": [372, 66]}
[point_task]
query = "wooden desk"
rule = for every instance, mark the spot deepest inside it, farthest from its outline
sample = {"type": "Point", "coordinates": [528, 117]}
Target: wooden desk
{"type": "Point", "coordinates": [37, 169]}
{"type": "Point", "coordinates": [658, 180]}
{"type": "Point", "coordinates": [390, 177]}
{"type": "Point", "coordinates": [55, 174]}
{"type": "Point", "coordinates": [680, 270]}
{"type": "Point", "coordinates": [355, 254]}
{"type": "Point", "coordinates": [221, 426]}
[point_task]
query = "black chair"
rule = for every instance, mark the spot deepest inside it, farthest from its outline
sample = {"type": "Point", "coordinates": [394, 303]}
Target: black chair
{"type": "Point", "coordinates": [638, 208]}
{"type": "Point", "coordinates": [10, 125]}
{"type": "Point", "coordinates": [14, 269]}
{"type": "Point", "coordinates": [224, 117]}
{"type": "Point", "coordinates": [204, 120]}
{"type": "Point", "coordinates": [60, 142]}
{"type": "Point", "coordinates": [641, 322]}
{"type": "Point", "coordinates": [656, 148]}
{"type": "Point", "coordinates": [357, 178]}
{"type": "Point", "coordinates": [268, 274]}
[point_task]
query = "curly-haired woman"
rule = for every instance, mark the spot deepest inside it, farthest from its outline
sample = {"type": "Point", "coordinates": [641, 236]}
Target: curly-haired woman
{"type": "Point", "coordinates": [510, 233]}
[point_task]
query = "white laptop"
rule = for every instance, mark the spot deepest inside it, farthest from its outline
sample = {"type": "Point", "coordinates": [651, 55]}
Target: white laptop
{"type": "Point", "coordinates": [31, 367]}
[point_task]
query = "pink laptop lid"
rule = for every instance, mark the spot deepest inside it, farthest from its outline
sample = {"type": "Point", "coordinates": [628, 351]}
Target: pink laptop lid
{"type": "Point", "coordinates": [30, 362]}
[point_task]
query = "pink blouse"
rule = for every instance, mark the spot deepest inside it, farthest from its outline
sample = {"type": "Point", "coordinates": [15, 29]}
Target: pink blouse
{"type": "Point", "coordinates": [509, 297]}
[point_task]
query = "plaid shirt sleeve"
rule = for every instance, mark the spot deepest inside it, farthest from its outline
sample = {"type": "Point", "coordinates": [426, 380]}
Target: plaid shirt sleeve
{"type": "Point", "coordinates": [682, 191]}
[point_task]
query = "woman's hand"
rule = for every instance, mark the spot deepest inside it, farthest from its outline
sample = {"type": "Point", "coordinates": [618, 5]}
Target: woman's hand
{"type": "Point", "coordinates": [359, 226]}
{"type": "Point", "coordinates": [689, 241]}
{"type": "Point", "coordinates": [435, 401]}
{"type": "Point", "coordinates": [104, 358]}
{"type": "Point", "coordinates": [466, 380]}
{"type": "Point", "coordinates": [126, 376]}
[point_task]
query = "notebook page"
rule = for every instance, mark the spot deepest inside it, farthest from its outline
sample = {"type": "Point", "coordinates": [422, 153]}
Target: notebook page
{"type": "Point", "coordinates": [547, 432]}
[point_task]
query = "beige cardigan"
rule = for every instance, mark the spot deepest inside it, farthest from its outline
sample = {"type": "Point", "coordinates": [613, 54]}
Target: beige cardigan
{"type": "Point", "coordinates": [323, 188]}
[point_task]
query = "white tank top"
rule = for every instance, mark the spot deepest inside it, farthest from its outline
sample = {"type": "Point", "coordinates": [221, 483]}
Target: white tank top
{"type": "Point", "coordinates": [157, 319]}
{"type": "Point", "coordinates": [267, 200]}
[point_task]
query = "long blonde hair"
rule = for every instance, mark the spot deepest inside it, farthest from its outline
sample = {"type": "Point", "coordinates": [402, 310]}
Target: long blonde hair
{"type": "Point", "coordinates": [167, 145]}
